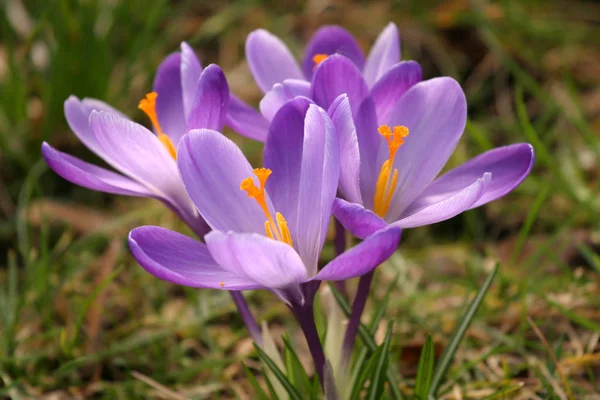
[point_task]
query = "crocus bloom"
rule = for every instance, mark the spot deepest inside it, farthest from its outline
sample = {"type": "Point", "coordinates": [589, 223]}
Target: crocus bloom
{"type": "Point", "coordinates": [268, 224]}
{"type": "Point", "coordinates": [185, 97]}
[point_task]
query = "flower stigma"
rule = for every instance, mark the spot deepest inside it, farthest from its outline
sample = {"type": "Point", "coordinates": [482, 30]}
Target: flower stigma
{"type": "Point", "coordinates": [318, 59]}
{"type": "Point", "coordinates": [274, 229]}
{"type": "Point", "coordinates": [148, 106]}
{"type": "Point", "coordinates": [384, 189]}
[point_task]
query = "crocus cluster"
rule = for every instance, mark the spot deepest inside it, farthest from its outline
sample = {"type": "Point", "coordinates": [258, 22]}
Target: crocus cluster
{"type": "Point", "coordinates": [359, 138]}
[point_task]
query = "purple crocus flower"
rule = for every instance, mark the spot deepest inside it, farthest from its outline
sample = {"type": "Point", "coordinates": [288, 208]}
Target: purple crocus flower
{"type": "Point", "coordinates": [185, 97]}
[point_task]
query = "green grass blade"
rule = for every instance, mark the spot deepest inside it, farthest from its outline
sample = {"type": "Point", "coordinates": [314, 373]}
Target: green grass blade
{"type": "Point", "coordinates": [285, 382]}
{"type": "Point", "coordinates": [259, 392]}
{"type": "Point", "coordinates": [378, 378]}
{"type": "Point", "coordinates": [425, 371]}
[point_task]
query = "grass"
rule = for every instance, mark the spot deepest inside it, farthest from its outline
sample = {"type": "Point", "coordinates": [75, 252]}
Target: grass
{"type": "Point", "coordinates": [80, 318]}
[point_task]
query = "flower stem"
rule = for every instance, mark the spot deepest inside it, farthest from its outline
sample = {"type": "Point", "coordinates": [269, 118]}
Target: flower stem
{"type": "Point", "coordinates": [339, 243]}
{"type": "Point", "coordinates": [247, 317]}
{"type": "Point", "coordinates": [306, 319]}
{"type": "Point", "coordinates": [362, 293]}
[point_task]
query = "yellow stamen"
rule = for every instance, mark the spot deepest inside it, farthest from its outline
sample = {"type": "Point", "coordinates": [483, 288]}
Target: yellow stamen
{"type": "Point", "coordinates": [384, 189]}
{"type": "Point", "coordinates": [148, 106]}
{"type": "Point", "coordinates": [278, 231]}
{"type": "Point", "coordinates": [222, 284]}
{"type": "Point", "coordinates": [318, 59]}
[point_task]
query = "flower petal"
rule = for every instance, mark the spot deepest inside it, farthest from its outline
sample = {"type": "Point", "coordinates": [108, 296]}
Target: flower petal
{"type": "Point", "coordinates": [369, 142]}
{"type": "Point", "coordinates": [359, 221]}
{"type": "Point", "coordinates": [176, 258]}
{"type": "Point", "coordinates": [212, 168]}
{"type": "Point", "coordinates": [211, 101]}
{"type": "Point", "coordinates": [337, 75]}
{"type": "Point", "coordinates": [383, 55]}
{"type": "Point", "coordinates": [429, 209]}
{"type": "Point", "coordinates": [169, 103]}
{"type": "Point", "coordinates": [392, 86]}
{"type": "Point", "coordinates": [190, 73]}
{"type": "Point", "coordinates": [269, 263]}
{"type": "Point", "coordinates": [245, 120]}
{"type": "Point", "coordinates": [435, 112]}
{"type": "Point", "coordinates": [280, 94]}
{"type": "Point", "coordinates": [341, 115]}
{"type": "Point", "coordinates": [270, 60]}
{"type": "Point", "coordinates": [508, 165]}
{"type": "Point", "coordinates": [90, 176]}
{"type": "Point", "coordinates": [363, 257]}
{"type": "Point", "coordinates": [331, 40]}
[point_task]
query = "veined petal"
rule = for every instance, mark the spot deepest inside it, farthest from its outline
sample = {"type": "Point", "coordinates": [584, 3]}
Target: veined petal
{"type": "Point", "coordinates": [212, 168]}
{"type": "Point", "coordinates": [176, 258]}
{"type": "Point", "coordinates": [392, 86]}
{"type": "Point", "coordinates": [280, 94]}
{"type": "Point", "coordinates": [211, 101]}
{"type": "Point", "coordinates": [363, 257]}
{"type": "Point", "coordinates": [90, 176]}
{"type": "Point", "coordinates": [429, 209]}
{"type": "Point", "coordinates": [369, 142]}
{"type": "Point", "coordinates": [435, 112]}
{"type": "Point", "coordinates": [245, 120]}
{"type": "Point", "coordinates": [269, 263]}
{"type": "Point", "coordinates": [383, 55]}
{"type": "Point", "coordinates": [169, 103]}
{"type": "Point", "coordinates": [358, 220]}
{"type": "Point", "coordinates": [190, 73]}
{"type": "Point", "coordinates": [330, 40]}
{"type": "Point", "coordinates": [270, 60]}
{"type": "Point", "coordinates": [341, 115]}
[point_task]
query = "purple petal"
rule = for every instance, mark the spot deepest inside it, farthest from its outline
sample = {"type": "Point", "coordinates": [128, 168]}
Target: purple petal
{"type": "Point", "coordinates": [169, 103]}
{"type": "Point", "coordinates": [429, 209]}
{"type": "Point", "coordinates": [137, 153]}
{"type": "Point", "coordinates": [508, 165]}
{"type": "Point", "coordinates": [270, 60]}
{"type": "Point", "coordinates": [383, 55]}
{"type": "Point", "coordinates": [267, 262]}
{"type": "Point", "coordinates": [212, 98]}
{"type": "Point", "coordinates": [176, 258]}
{"type": "Point", "coordinates": [331, 40]}
{"type": "Point", "coordinates": [280, 94]}
{"type": "Point", "coordinates": [435, 112]}
{"type": "Point", "coordinates": [212, 168]}
{"type": "Point", "coordinates": [369, 142]}
{"type": "Point", "coordinates": [341, 115]}
{"type": "Point", "coordinates": [392, 86]}
{"type": "Point", "coordinates": [245, 120]}
{"type": "Point", "coordinates": [363, 257]}
{"type": "Point", "coordinates": [90, 176]}
{"type": "Point", "coordinates": [190, 73]}
{"type": "Point", "coordinates": [359, 221]}
{"type": "Point", "coordinates": [337, 75]}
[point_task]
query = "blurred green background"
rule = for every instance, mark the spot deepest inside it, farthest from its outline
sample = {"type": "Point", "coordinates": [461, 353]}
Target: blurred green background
{"type": "Point", "coordinates": [78, 318]}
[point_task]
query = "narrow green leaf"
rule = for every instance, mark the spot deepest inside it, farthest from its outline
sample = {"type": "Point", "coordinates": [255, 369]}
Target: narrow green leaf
{"type": "Point", "coordinates": [364, 374]}
{"type": "Point", "coordinates": [450, 350]}
{"type": "Point", "coordinates": [382, 307]}
{"type": "Point", "coordinates": [425, 371]}
{"type": "Point", "coordinates": [258, 391]}
{"type": "Point", "coordinates": [294, 367]}
{"type": "Point", "coordinates": [378, 378]}
{"type": "Point", "coordinates": [530, 219]}
{"type": "Point", "coordinates": [285, 382]}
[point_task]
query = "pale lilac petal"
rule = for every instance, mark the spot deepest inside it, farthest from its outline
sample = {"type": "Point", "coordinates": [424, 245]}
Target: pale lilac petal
{"type": "Point", "coordinates": [212, 168]}
{"type": "Point", "coordinates": [369, 142]}
{"type": "Point", "coordinates": [90, 176]}
{"type": "Point", "coordinates": [341, 115]}
{"type": "Point", "coordinates": [169, 103]}
{"type": "Point", "coordinates": [331, 40]}
{"type": "Point", "coordinates": [356, 219]}
{"type": "Point", "coordinates": [77, 113]}
{"type": "Point", "coordinates": [392, 86]}
{"type": "Point", "coordinates": [363, 257]}
{"type": "Point", "coordinates": [508, 165]}
{"type": "Point", "coordinates": [270, 60]}
{"type": "Point", "coordinates": [337, 75]}
{"type": "Point", "coordinates": [176, 258]}
{"type": "Point", "coordinates": [434, 208]}
{"type": "Point", "coordinates": [435, 112]}
{"type": "Point", "coordinates": [268, 262]}
{"type": "Point", "coordinates": [245, 120]}
{"type": "Point", "coordinates": [190, 73]}
{"type": "Point", "coordinates": [212, 98]}
{"type": "Point", "coordinates": [280, 94]}
{"type": "Point", "coordinates": [137, 153]}
{"type": "Point", "coordinates": [383, 55]}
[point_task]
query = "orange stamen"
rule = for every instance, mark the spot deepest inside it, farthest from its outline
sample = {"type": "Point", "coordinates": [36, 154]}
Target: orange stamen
{"type": "Point", "coordinates": [148, 106]}
{"type": "Point", "coordinates": [384, 189]}
{"type": "Point", "coordinates": [318, 59]}
{"type": "Point", "coordinates": [222, 284]}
